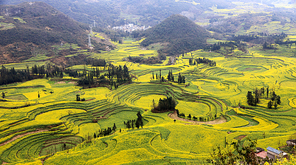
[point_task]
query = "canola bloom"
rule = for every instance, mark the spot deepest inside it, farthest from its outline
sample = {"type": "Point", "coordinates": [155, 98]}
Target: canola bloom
{"type": "Point", "coordinates": [129, 156]}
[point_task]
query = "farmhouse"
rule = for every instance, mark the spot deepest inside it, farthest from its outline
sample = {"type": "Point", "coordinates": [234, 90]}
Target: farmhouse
{"type": "Point", "coordinates": [274, 153]}
{"type": "Point", "coordinates": [261, 153]}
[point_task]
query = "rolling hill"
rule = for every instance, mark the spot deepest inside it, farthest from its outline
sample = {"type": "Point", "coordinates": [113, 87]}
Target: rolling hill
{"type": "Point", "coordinates": [181, 34]}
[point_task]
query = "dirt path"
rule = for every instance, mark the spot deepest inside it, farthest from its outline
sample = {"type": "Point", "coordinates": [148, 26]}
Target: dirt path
{"type": "Point", "coordinates": [191, 122]}
{"type": "Point", "coordinates": [19, 136]}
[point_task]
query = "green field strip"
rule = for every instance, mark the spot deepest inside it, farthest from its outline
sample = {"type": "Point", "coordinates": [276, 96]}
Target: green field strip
{"type": "Point", "coordinates": [275, 119]}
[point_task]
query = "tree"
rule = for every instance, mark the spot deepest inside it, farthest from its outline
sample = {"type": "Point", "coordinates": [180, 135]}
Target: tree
{"type": "Point", "coordinates": [190, 61]}
{"type": "Point", "coordinates": [114, 127]}
{"type": "Point", "coordinates": [275, 105]}
{"type": "Point", "coordinates": [265, 45]}
{"type": "Point", "coordinates": [61, 75]}
{"type": "Point", "coordinates": [77, 97]}
{"type": "Point", "coordinates": [189, 116]}
{"type": "Point", "coordinates": [267, 91]}
{"type": "Point", "coordinates": [273, 96]}
{"type": "Point", "coordinates": [3, 95]}
{"type": "Point", "coordinates": [169, 76]}
{"type": "Point", "coordinates": [257, 96]}
{"type": "Point", "coordinates": [250, 98]}
{"type": "Point", "coordinates": [97, 73]}
{"type": "Point", "coordinates": [179, 78]}
{"type": "Point", "coordinates": [95, 135]}
{"type": "Point", "coordinates": [278, 100]}
{"type": "Point", "coordinates": [269, 105]}
{"type": "Point", "coordinates": [262, 91]}
{"type": "Point", "coordinates": [139, 121]}
{"type": "Point", "coordinates": [128, 125]}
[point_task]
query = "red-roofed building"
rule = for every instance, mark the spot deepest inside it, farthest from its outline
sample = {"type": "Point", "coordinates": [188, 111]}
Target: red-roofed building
{"type": "Point", "coordinates": [262, 154]}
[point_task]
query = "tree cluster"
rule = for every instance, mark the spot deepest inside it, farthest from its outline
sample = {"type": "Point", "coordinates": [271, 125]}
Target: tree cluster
{"type": "Point", "coordinates": [114, 77]}
{"type": "Point", "coordinates": [205, 61]}
{"type": "Point", "coordinates": [96, 62]}
{"type": "Point", "coordinates": [120, 73]}
{"type": "Point", "coordinates": [135, 123]}
{"type": "Point", "coordinates": [166, 104]}
{"type": "Point", "coordinates": [181, 79]}
{"type": "Point", "coordinates": [275, 101]}
{"type": "Point", "coordinates": [267, 46]}
{"type": "Point", "coordinates": [141, 60]}
{"type": "Point", "coordinates": [253, 98]}
{"type": "Point", "coordinates": [105, 132]}
{"type": "Point", "coordinates": [242, 151]}
{"type": "Point", "coordinates": [8, 76]}
{"type": "Point", "coordinates": [170, 76]}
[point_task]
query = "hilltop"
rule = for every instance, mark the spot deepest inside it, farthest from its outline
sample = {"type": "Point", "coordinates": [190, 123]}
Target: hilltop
{"type": "Point", "coordinates": [181, 34]}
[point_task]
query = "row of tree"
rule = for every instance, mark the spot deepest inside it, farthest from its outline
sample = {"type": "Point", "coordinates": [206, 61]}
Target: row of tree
{"type": "Point", "coordinates": [201, 118]}
{"type": "Point", "coordinates": [8, 76]}
{"type": "Point", "coordinates": [105, 132]}
{"type": "Point", "coordinates": [170, 77]}
{"type": "Point", "coordinates": [114, 77]}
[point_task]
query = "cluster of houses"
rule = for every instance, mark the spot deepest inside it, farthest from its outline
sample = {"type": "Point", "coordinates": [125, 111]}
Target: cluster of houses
{"type": "Point", "coordinates": [130, 28]}
{"type": "Point", "coordinates": [273, 153]}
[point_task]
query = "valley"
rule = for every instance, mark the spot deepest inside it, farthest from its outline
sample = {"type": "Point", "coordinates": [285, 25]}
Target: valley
{"type": "Point", "coordinates": [108, 103]}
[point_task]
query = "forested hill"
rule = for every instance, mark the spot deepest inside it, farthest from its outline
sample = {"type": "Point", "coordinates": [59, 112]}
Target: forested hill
{"type": "Point", "coordinates": [39, 24]}
{"type": "Point", "coordinates": [181, 34]}
{"type": "Point", "coordinates": [32, 29]}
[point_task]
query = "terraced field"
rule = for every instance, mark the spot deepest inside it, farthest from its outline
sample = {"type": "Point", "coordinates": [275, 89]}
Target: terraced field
{"type": "Point", "coordinates": [56, 129]}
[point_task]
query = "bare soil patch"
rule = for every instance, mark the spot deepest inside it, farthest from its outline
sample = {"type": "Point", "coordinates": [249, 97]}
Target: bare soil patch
{"type": "Point", "coordinates": [61, 82]}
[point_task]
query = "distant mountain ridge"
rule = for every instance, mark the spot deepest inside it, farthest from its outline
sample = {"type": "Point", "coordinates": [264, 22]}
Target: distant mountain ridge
{"type": "Point", "coordinates": [148, 12]}
{"type": "Point", "coordinates": [182, 34]}
{"type": "Point", "coordinates": [118, 12]}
